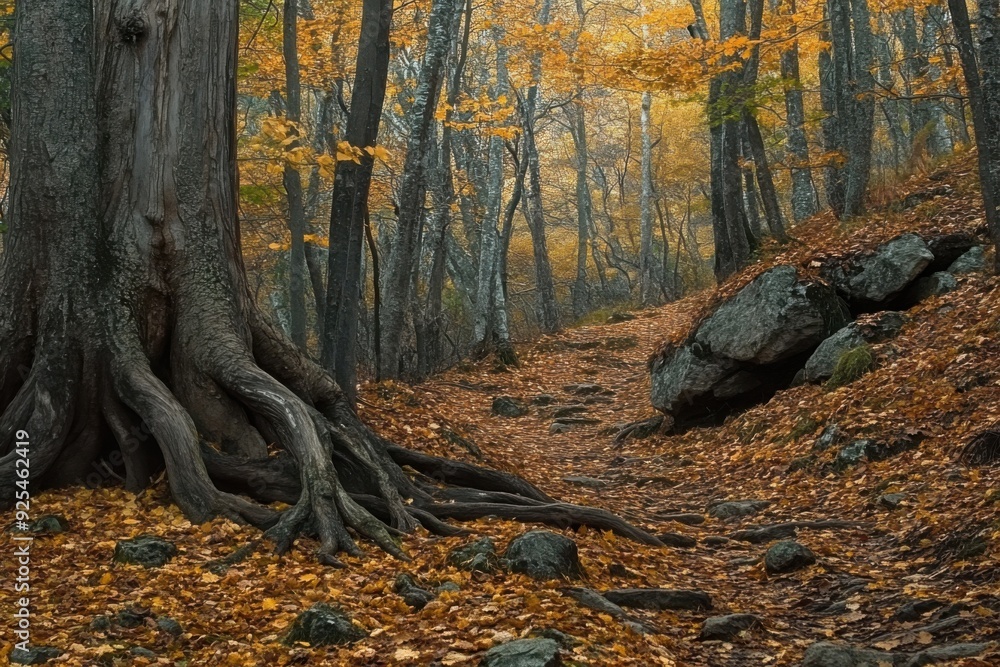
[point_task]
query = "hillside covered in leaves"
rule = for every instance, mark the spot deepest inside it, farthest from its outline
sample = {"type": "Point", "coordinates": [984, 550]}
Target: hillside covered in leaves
{"type": "Point", "coordinates": [905, 550]}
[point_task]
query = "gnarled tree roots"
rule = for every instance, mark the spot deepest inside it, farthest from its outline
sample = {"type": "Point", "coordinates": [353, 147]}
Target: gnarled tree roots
{"type": "Point", "coordinates": [337, 474]}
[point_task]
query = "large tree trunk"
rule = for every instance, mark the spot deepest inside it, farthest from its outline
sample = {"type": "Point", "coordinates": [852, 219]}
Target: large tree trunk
{"type": "Point", "coordinates": [804, 202]}
{"type": "Point", "coordinates": [350, 199]}
{"type": "Point", "coordinates": [128, 337]}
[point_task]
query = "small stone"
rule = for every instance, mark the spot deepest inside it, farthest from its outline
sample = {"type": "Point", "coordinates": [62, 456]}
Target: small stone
{"type": "Point", "coordinates": [677, 540]}
{"type": "Point", "coordinates": [686, 518]}
{"type": "Point", "coordinates": [479, 556]}
{"type": "Point", "coordinates": [543, 399]}
{"type": "Point", "coordinates": [787, 556]}
{"type": "Point", "coordinates": [523, 653]}
{"type": "Point", "coordinates": [715, 540]}
{"type": "Point", "coordinates": [448, 587]}
{"type": "Point", "coordinates": [589, 482]}
{"type": "Point", "coordinates": [51, 524]}
{"type": "Point", "coordinates": [828, 654]}
{"type": "Point", "coordinates": [569, 410]}
{"type": "Point", "coordinates": [170, 626]}
{"type": "Point", "coordinates": [131, 617]}
{"type": "Point", "coordinates": [559, 428]}
{"type": "Point", "coordinates": [563, 639]}
{"type": "Point", "coordinates": [892, 500]}
{"type": "Point", "coordinates": [830, 436]}
{"type": "Point", "coordinates": [322, 625]}
{"type": "Point", "coordinates": [617, 570]}
{"type": "Point", "coordinates": [142, 652]}
{"type": "Point", "coordinates": [506, 406]}
{"type": "Point", "coordinates": [585, 389]}
{"type": "Point", "coordinates": [35, 655]}
{"type": "Point", "coordinates": [100, 623]}
{"type": "Point", "coordinates": [735, 509]}
{"type": "Point", "coordinates": [660, 599]}
{"type": "Point", "coordinates": [146, 550]}
{"type": "Point", "coordinates": [412, 594]}
{"type": "Point", "coordinates": [728, 627]}
{"type": "Point", "coordinates": [542, 554]}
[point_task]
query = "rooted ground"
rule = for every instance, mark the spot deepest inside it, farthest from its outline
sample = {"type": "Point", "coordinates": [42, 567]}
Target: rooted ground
{"type": "Point", "coordinates": [939, 380]}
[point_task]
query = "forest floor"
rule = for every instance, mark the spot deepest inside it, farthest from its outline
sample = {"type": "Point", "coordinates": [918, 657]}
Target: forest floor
{"type": "Point", "coordinates": [939, 540]}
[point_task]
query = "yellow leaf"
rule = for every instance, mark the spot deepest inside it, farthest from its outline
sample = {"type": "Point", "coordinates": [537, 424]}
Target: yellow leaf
{"type": "Point", "coordinates": [106, 579]}
{"type": "Point", "coordinates": [307, 578]}
{"type": "Point", "coordinates": [268, 604]}
{"type": "Point", "coordinates": [209, 578]}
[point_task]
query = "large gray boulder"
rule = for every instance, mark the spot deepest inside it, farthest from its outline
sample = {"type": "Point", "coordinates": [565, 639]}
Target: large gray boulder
{"type": "Point", "coordinates": [147, 550]}
{"type": "Point", "coordinates": [773, 318]}
{"type": "Point", "coordinates": [829, 654]}
{"type": "Point", "coordinates": [687, 375]}
{"type": "Point", "coordinates": [882, 274]}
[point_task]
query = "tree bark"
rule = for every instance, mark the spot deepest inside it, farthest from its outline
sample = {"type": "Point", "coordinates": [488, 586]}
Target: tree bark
{"type": "Point", "coordinates": [413, 188]}
{"type": "Point", "coordinates": [351, 185]}
{"type": "Point", "coordinates": [804, 201]}
{"type": "Point", "coordinates": [292, 180]}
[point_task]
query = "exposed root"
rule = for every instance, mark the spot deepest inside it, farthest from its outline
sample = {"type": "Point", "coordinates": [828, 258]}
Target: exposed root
{"type": "Point", "coordinates": [458, 473]}
{"type": "Point", "coordinates": [560, 515]}
{"type": "Point", "coordinates": [983, 448]}
{"type": "Point", "coordinates": [324, 506]}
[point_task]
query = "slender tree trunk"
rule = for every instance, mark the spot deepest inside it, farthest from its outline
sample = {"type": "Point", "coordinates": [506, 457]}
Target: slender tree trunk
{"type": "Point", "coordinates": [292, 179]}
{"type": "Point", "coordinates": [420, 124]}
{"type": "Point", "coordinates": [350, 199]}
{"type": "Point", "coordinates": [490, 326]}
{"type": "Point", "coordinates": [647, 261]}
{"type": "Point", "coordinates": [804, 201]}
{"type": "Point", "coordinates": [584, 208]}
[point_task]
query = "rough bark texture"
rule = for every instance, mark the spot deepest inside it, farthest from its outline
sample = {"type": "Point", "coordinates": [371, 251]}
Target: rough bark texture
{"type": "Point", "coordinates": [128, 337]}
{"type": "Point", "coordinates": [804, 202]}
{"type": "Point", "coordinates": [292, 180]}
{"type": "Point", "coordinates": [350, 198]}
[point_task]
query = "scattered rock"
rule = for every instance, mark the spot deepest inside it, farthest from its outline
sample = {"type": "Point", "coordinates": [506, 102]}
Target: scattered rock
{"type": "Point", "coordinates": [935, 284]}
{"type": "Point", "coordinates": [618, 570]}
{"type": "Point", "coordinates": [660, 599]}
{"type": "Point", "coordinates": [569, 410]}
{"type": "Point", "coordinates": [50, 524]}
{"type": "Point", "coordinates": [972, 261]}
{"type": "Point", "coordinates": [543, 399]}
{"type": "Point", "coordinates": [830, 436]}
{"type": "Point", "coordinates": [506, 406]}
{"type": "Point", "coordinates": [101, 623]}
{"type": "Point", "coordinates": [598, 400]}
{"type": "Point", "coordinates": [787, 556]}
{"type": "Point", "coordinates": [763, 534]}
{"type": "Point", "coordinates": [715, 540]}
{"type": "Point", "coordinates": [915, 609]}
{"type": "Point", "coordinates": [735, 509]}
{"type": "Point", "coordinates": [589, 482]}
{"type": "Point", "coordinates": [412, 594]}
{"type": "Point", "coordinates": [728, 627]}
{"type": "Point", "coordinates": [594, 600]}
{"type": "Point", "coordinates": [544, 555]}
{"type": "Point", "coordinates": [876, 277]}
{"type": "Point", "coordinates": [586, 389]}
{"type": "Point", "coordinates": [686, 518]}
{"type": "Point", "coordinates": [577, 421]}
{"type": "Point", "coordinates": [322, 625]}
{"type": "Point", "coordinates": [142, 652]}
{"type": "Point", "coordinates": [936, 654]}
{"type": "Point", "coordinates": [35, 655]}
{"type": "Point", "coordinates": [858, 451]}
{"type": "Point", "coordinates": [132, 617]}
{"type": "Point", "coordinates": [170, 626]}
{"type": "Point", "coordinates": [479, 556]}
{"type": "Point", "coordinates": [892, 500]}
{"type": "Point", "coordinates": [822, 362]}
{"type": "Point", "coordinates": [448, 587]}
{"type": "Point", "coordinates": [559, 428]}
{"type": "Point", "coordinates": [828, 654]}
{"type": "Point", "coordinates": [523, 653]}
{"type": "Point", "coordinates": [146, 550]}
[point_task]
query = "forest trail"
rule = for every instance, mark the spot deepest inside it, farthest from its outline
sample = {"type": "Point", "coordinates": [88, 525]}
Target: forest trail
{"type": "Point", "coordinates": [913, 564]}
